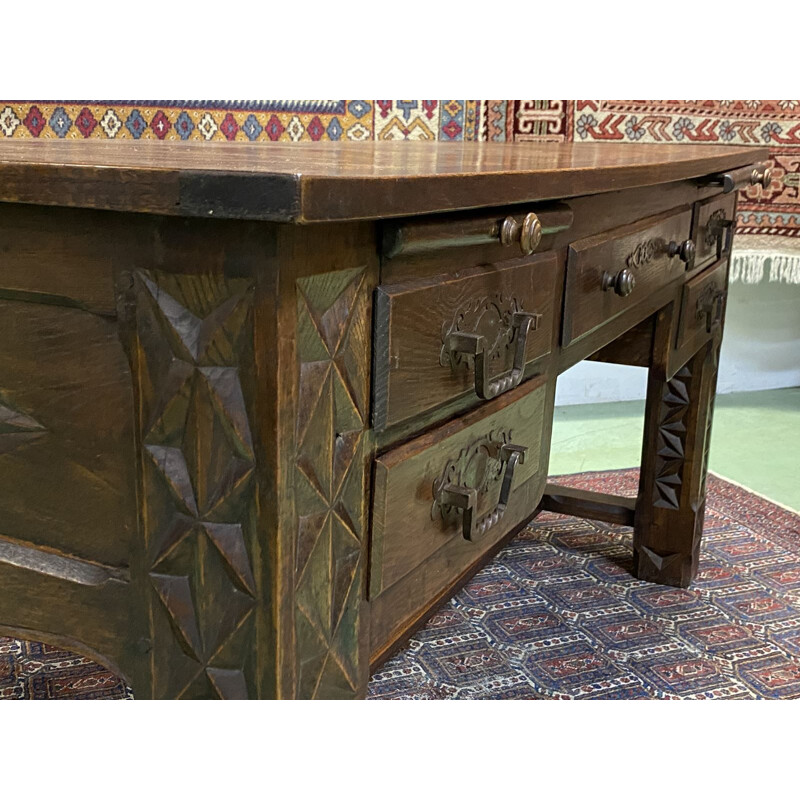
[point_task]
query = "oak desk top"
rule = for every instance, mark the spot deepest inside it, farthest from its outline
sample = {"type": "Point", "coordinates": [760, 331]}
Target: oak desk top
{"type": "Point", "coordinates": [313, 182]}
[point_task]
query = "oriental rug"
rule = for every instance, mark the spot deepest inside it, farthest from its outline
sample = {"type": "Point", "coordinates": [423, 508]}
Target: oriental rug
{"type": "Point", "coordinates": [558, 615]}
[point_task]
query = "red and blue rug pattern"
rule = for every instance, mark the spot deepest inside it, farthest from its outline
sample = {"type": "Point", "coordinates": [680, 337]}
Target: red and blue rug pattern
{"type": "Point", "coordinates": [557, 614]}
{"type": "Point", "coordinates": [36, 671]}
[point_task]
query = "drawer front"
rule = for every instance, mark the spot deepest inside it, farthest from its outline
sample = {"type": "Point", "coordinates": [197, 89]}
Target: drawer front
{"type": "Point", "coordinates": [607, 274]}
{"type": "Point", "coordinates": [713, 224]}
{"type": "Point", "coordinates": [441, 338]}
{"type": "Point", "coordinates": [64, 255]}
{"type": "Point", "coordinates": [67, 456]}
{"type": "Point", "coordinates": [702, 306]}
{"type": "Point", "coordinates": [470, 480]}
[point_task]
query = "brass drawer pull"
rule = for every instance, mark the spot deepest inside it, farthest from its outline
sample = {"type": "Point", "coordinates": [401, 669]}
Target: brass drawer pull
{"type": "Point", "coordinates": [710, 305]}
{"type": "Point", "coordinates": [528, 233]}
{"type": "Point", "coordinates": [466, 499]}
{"type": "Point", "coordinates": [623, 283]}
{"type": "Point", "coordinates": [474, 344]}
{"type": "Point", "coordinates": [759, 175]}
{"type": "Point", "coordinates": [417, 236]}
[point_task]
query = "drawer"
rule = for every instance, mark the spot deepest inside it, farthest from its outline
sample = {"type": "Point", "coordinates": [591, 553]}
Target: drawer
{"type": "Point", "coordinates": [702, 306]}
{"type": "Point", "coordinates": [607, 274]}
{"type": "Point", "coordinates": [463, 485]}
{"type": "Point", "coordinates": [67, 456]}
{"type": "Point", "coordinates": [471, 332]}
{"type": "Point", "coordinates": [63, 255]}
{"type": "Point", "coordinates": [713, 224]}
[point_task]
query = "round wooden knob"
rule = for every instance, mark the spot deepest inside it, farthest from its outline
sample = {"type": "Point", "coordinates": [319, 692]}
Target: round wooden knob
{"type": "Point", "coordinates": [761, 178]}
{"type": "Point", "coordinates": [528, 233]}
{"type": "Point", "coordinates": [623, 283]}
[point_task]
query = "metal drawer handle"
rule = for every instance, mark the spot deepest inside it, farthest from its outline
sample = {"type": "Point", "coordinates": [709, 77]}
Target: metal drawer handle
{"type": "Point", "coordinates": [684, 250]}
{"type": "Point", "coordinates": [710, 305]}
{"type": "Point", "coordinates": [528, 233]}
{"type": "Point", "coordinates": [474, 344]}
{"type": "Point", "coordinates": [466, 499]}
{"type": "Point", "coordinates": [716, 226]}
{"type": "Point", "coordinates": [623, 283]}
{"type": "Point", "coordinates": [761, 176]}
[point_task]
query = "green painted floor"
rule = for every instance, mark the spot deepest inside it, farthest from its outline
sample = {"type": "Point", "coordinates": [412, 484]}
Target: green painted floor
{"type": "Point", "coordinates": [755, 440]}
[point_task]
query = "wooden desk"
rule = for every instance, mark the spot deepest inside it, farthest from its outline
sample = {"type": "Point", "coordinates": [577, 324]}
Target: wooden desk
{"type": "Point", "coordinates": [262, 408]}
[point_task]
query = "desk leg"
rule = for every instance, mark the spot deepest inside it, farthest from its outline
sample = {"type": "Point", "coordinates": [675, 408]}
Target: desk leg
{"type": "Point", "coordinates": [252, 385]}
{"type": "Point", "coordinates": [671, 502]}
{"type": "Point", "coordinates": [319, 375]}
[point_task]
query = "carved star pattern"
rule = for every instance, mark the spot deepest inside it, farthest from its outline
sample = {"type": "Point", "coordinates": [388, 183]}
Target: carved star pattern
{"type": "Point", "coordinates": [198, 439]}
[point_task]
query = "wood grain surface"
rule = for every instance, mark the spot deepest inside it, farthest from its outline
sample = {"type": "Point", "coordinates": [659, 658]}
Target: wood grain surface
{"type": "Point", "coordinates": [587, 305]}
{"type": "Point", "coordinates": [362, 180]}
{"type": "Point", "coordinates": [66, 433]}
{"type": "Point", "coordinates": [408, 525]}
{"type": "Point", "coordinates": [711, 237]}
{"type": "Point", "coordinates": [414, 370]}
{"type": "Point", "coordinates": [704, 295]}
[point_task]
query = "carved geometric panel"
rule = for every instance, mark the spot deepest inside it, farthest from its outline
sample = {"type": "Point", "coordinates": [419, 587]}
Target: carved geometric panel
{"type": "Point", "coordinates": [198, 477]}
{"type": "Point", "coordinates": [671, 440]}
{"type": "Point", "coordinates": [670, 512]}
{"type": "Point", "coordinates": [712, 368]}
{"type": "Point", "coordinates": [332, 347]}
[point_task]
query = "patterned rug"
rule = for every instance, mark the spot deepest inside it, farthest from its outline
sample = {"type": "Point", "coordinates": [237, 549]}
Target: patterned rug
{"type": "Point", "coordinates": [557, 614]}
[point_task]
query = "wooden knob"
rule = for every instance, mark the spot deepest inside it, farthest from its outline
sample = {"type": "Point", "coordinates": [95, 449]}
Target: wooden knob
{"type": "Point", "coordinates": [761, 177]}
{"type": "Point", "coordinates": [623, 283]}
{"type": "Point", "coordinates": [528, 233]}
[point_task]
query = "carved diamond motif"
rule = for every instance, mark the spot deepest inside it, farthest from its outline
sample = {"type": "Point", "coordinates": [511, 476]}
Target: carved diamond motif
{"type": "Point", "coordinates": [199, 458]}
{"type": "Point", "coordinates": [332, 327]}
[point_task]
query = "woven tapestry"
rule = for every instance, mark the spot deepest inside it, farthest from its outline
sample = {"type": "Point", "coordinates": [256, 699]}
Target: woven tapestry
{"type": "Point", "coordinates": [768, 244]}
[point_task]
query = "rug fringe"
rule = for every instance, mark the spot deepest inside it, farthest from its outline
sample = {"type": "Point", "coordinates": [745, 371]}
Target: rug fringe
{"type": "Point", "coordinates": [752, 267]}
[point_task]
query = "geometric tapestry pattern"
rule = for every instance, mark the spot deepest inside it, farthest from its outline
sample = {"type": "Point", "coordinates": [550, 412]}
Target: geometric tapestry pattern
{"type": "Point", "coordinates": [774, 123]}
{"type": "Point", "coordinates": [332, 334]}
{"type": "Point", "coordinates": [199, 483]}
{"type": "Point", "coordinates": [558, 614]}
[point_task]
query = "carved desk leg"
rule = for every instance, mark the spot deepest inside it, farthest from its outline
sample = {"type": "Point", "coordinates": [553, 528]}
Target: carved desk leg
{"type": "Point", "coordinates": [250, 353]}
{"type": "Point", "coordinates": [320, 371]}
{"type": "Point", "coordinates": [670, 507]}
{"type": "Point", "coordinates": [198, 568]}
